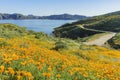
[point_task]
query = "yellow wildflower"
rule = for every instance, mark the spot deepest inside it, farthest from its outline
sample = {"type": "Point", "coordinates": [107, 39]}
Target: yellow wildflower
{"type": "Point", "coordinates": [58, 75]}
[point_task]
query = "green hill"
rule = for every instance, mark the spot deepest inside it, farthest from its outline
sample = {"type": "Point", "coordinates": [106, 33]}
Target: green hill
{"type": "Point", "coordinates": [108, 22]}
{"type": "Point", "coordinates": [11, 30]}
{"type": "Point", "coordinates": [8, 30]}
{"type": "Point", "coordinates": [74, 32]}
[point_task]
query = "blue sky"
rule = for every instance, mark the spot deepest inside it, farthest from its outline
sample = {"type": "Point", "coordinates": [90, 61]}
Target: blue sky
{"type": "Point", "coordinates": [48, 7]}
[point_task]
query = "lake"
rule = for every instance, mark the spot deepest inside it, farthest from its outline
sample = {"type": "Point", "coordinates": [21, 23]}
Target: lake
{"type": "Point", "coordinates": [46, 26]}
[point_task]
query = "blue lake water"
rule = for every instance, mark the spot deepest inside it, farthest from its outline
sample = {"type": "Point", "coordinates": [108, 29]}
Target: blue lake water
{"type": "Point", "coordinates": [46, 26]}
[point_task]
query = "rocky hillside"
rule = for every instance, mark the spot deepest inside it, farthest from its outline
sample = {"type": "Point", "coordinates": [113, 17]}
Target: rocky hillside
{"type": "Point", "coordinates": [115, 41]}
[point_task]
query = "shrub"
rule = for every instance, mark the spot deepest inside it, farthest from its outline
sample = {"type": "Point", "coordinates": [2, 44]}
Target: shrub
{"type": "Point", "coordinates": [60, 45]}
{"type": "Point", "coordinates": [40, 35]}
{"type": "Point", "coordinates": [115, 41]}
{"type": "Point", "coordinates": [3, 43]}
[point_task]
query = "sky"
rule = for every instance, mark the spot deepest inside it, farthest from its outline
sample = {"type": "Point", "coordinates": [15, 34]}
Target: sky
{"type": "Point", "coordinates": [51, 7]}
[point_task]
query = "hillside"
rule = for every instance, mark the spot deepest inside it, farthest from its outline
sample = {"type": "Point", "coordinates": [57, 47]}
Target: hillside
{"type": "Point", "coordinates": [108, 22]}
{"type": "Point", "coordinates": [11, 30]}
{"type": "Point", "coordinates": [17, 16]}
{"type": "Point", "coordinates": [74, 32]}
{"type": "Point", "coordinates": [115, 41]}
{"type": "Point", "coordinates": [36, 56]}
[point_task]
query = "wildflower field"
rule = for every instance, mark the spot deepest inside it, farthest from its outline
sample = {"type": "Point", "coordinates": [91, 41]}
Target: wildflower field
{"type": "Point", "coordinates": [31, 58]}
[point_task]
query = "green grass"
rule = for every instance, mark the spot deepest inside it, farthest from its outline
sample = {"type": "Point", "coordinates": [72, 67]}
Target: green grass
{"type": "Point", "coordinates": [11, 30]}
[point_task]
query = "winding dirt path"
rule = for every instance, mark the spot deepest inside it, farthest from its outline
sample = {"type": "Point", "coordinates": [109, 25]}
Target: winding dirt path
{"type": "Point", "coordinates": [101, 40]}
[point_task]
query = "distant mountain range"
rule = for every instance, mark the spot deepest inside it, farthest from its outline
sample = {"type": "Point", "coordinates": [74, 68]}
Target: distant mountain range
{"type": "Point", "coordinates": [17, 16]}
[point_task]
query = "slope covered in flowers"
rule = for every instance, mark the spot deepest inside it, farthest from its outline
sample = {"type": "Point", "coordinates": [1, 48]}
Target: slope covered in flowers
{"type": "Point", "coordinates": [33, 59]}
{"type": "Point", "coordinates": [30, 57]}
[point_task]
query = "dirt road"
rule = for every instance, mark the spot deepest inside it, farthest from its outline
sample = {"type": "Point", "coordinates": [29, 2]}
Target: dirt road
{"type": "Point", "coordinates": [101, 40]}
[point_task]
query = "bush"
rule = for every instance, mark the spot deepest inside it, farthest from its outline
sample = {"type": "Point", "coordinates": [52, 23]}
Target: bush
{"type": "Point", "coordinates": [115, 41]}
{"type": "Point", "coordinates": [60, 45]}
{"type": "Point", "coordinates": [40, 35]}
{"type": "Point", "coordinates": [3, 43]}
